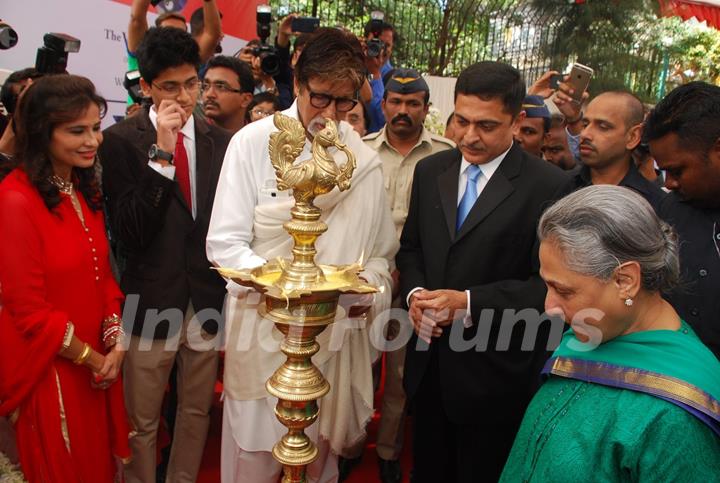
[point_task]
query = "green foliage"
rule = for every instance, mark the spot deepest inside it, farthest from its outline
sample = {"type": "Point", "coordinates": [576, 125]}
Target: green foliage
{"type": "Point", "coordinates": [611, 37]}
{"type": "Point", "coordinates": [438, 37]}
{"type": "Point", "coordinates": [624, 41]}
{"type": "Point", "coordinates": [694, 53]}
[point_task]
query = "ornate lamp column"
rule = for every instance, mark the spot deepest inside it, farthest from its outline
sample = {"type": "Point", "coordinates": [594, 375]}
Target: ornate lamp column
{"type": "Point", "coordinates": [301, 297]}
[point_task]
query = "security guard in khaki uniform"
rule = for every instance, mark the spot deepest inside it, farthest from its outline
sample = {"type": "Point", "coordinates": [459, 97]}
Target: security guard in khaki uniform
{"type": "Point", "coordinates": [401, 143]}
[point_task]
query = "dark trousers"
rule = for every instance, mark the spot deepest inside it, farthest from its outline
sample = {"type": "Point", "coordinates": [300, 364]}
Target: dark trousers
{"type": "Point", "coordinates": [445, 451]}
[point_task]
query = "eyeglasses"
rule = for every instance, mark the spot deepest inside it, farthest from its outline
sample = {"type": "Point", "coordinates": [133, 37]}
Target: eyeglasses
{"type": "Point", "coordinates": [342, 104]}
{"type": "Point", "coordinates": [173, 88]}
{"type": "Point", "coordinates": [260, 113]}
{"type": "Point", "coordinates": [220, 87]}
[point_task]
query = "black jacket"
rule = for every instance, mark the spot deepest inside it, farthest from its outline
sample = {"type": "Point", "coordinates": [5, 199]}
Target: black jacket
{"type": "Point", "coordinates": [165, 247]}
{"type": "Point", "coordinates": [633, 180]}
{"type": "Point", "coordinates": [495, 255]}
{"type": "Point", "coordinates": [697, 299]}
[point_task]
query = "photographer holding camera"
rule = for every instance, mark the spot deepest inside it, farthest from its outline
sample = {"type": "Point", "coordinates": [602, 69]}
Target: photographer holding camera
{"type": "Point", "coordinates": [270, 64]}
{"type": "Point", "coordinates": [378, 45]}
{"type": "Point", "coordinates": [382, 34]}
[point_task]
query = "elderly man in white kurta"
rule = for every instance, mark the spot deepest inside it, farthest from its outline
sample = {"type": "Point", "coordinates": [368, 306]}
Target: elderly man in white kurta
{"type": "Point", "coordinates": [246, 229]}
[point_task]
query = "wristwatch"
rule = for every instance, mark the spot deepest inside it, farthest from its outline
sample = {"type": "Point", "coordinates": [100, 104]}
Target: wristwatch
{"type": "Point", "coordinates": [156, 153]}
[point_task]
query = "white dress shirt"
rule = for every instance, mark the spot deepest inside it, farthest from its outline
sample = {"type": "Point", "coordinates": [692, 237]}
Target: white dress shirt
{"type": "Point", "coordinates": [188, 131]}
{"type": "Point", "coordinates": [488, 170]}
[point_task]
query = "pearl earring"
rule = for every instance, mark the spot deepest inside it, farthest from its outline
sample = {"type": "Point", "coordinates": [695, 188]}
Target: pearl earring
{"type": "Point", "coordinates": [629, 302]}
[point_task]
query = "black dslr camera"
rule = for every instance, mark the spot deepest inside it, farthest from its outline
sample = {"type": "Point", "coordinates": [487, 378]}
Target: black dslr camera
{"type": "Point", "coordinates": [53, 55]}
{"type": "Point", "coordinates": [268, 55]}
{"type": "Point", "coordinates": [375, 46]}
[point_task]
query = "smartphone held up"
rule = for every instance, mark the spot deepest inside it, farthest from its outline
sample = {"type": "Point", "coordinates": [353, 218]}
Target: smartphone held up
{"type": "Point", "coordinates": [579, 80]}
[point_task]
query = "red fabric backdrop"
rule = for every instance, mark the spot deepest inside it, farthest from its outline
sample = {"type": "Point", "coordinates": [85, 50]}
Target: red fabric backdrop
{"type": "Point", "coordinates": [238, 15]}
{"type": "Point", "coordinates": [687, 9]}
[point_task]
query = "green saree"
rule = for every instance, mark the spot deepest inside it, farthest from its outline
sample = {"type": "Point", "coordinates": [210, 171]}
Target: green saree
{"type": "Point", "coordinates": [642, 407]}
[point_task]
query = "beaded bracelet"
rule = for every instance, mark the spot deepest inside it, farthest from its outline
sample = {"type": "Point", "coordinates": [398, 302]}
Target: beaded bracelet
{"type": "Point", "coordinates": [69, 332]}
{"type": "Point", "coordinates": [112, 330]}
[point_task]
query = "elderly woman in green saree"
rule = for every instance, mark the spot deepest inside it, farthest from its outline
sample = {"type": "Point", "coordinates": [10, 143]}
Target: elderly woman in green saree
{"type": "Point", "coordinates": [631, 393]}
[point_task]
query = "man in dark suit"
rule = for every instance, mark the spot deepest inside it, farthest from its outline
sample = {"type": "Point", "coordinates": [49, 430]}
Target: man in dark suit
{"type": "Point", "coordinates": [160, 170]}
{"type": "Point", "coordinates": [469, 248]}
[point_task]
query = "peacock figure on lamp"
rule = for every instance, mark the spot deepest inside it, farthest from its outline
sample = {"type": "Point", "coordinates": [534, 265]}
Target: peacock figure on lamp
{"type": "Point", "coordinates": [301, 297]}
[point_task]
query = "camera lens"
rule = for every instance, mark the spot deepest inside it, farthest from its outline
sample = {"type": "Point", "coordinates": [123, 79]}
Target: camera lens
{"type": "Point", "coordinates": [375, 47]}
{"type": "Point", "coordinates": [8, 37]}
{"type": "Point", "coordinates": [270, 63]}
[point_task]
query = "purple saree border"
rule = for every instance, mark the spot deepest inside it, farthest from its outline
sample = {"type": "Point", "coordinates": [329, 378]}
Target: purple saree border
{"type": "Point", "coordinates": [591, 371]}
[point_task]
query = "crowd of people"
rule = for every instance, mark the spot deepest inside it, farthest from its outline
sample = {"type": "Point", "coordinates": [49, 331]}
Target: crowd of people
{"type": "Point", "coordinates": [555, 257]}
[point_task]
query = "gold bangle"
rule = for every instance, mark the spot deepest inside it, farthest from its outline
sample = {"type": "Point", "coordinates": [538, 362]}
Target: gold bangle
{"type": "Point", "coordinates": [80, 360]}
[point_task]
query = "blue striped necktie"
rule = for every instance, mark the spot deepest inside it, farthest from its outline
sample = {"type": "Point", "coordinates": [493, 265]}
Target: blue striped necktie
{"type": "Point", "coordinates": [468, 200]}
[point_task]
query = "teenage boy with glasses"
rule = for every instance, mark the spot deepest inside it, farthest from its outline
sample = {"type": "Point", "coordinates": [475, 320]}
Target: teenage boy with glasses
{"type": "Point", "coordinates": [246, 230]}
{"type": "Point", "coordinates": [160, 170]}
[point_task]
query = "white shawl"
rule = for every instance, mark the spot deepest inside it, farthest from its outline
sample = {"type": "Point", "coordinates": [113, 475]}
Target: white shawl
{"type": "Point", "coordinates": [360, 228]}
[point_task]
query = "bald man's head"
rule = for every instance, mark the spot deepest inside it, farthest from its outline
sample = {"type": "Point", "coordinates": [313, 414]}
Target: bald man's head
{"type": "Point", "coordinates": [631, 107]}
{"type": "Point", "coordinates": [612, 128]}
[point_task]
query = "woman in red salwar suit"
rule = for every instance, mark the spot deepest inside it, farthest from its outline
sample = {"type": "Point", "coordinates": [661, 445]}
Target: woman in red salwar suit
{"type": "Point", "coordinates": [59, 364]}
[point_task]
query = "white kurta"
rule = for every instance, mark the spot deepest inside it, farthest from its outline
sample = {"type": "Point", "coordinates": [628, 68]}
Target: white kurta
{"type": "Point", "coordinates": [245, 231]}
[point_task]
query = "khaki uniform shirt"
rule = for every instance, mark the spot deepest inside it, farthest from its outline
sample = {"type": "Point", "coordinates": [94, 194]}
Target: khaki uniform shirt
{"type": "Point", "coordinates": [398, 169]}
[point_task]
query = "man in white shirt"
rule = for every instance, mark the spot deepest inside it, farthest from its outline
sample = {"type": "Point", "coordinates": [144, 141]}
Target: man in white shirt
{"type": "Point", "coordinates": [160, 169]}
{"type": "Point", "coordinates": [246, 230]}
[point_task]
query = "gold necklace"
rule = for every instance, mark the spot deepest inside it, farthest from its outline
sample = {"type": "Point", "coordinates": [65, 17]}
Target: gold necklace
{"type": "Point", "coordinates": [78, 210]}
{"type": "Point", "coordinates": [65, 187]}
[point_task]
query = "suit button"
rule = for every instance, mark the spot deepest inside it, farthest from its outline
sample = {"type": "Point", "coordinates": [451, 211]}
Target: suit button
{"type": "Point", "coordinates": [703, 272]}
{"type": "Point", "coordinates": [717, 236]}
{"type": "Point", "coordinates": [695, 312]}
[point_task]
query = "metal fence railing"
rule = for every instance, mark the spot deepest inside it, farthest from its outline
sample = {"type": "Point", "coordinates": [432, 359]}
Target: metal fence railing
{"type": "Point", "coordinates": [441, 37]}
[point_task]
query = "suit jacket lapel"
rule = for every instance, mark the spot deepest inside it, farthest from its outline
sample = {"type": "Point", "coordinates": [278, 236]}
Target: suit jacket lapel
{"type": "Point", "coordinates": [204, 159]}
{"type": "Point", "coordinates": [496, 191]}
{"type": "Point", "coordinates": [448, 185]}
{"type": "Point", "coordinates": [147, 135]}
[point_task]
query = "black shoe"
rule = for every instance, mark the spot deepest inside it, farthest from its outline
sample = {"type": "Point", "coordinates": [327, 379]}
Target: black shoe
{"type": "Point", "coordinates": [346, 465]}
{"type": "Point", "coordinates": [390, 471]}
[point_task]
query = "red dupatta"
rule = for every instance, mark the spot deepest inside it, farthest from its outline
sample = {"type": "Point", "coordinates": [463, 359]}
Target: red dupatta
{"type": "Point", "coordinates": [54, 269]}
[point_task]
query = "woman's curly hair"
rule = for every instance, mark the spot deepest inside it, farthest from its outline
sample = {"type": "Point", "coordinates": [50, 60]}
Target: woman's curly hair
{"type": "Point", "coordinates": [48, 102]}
